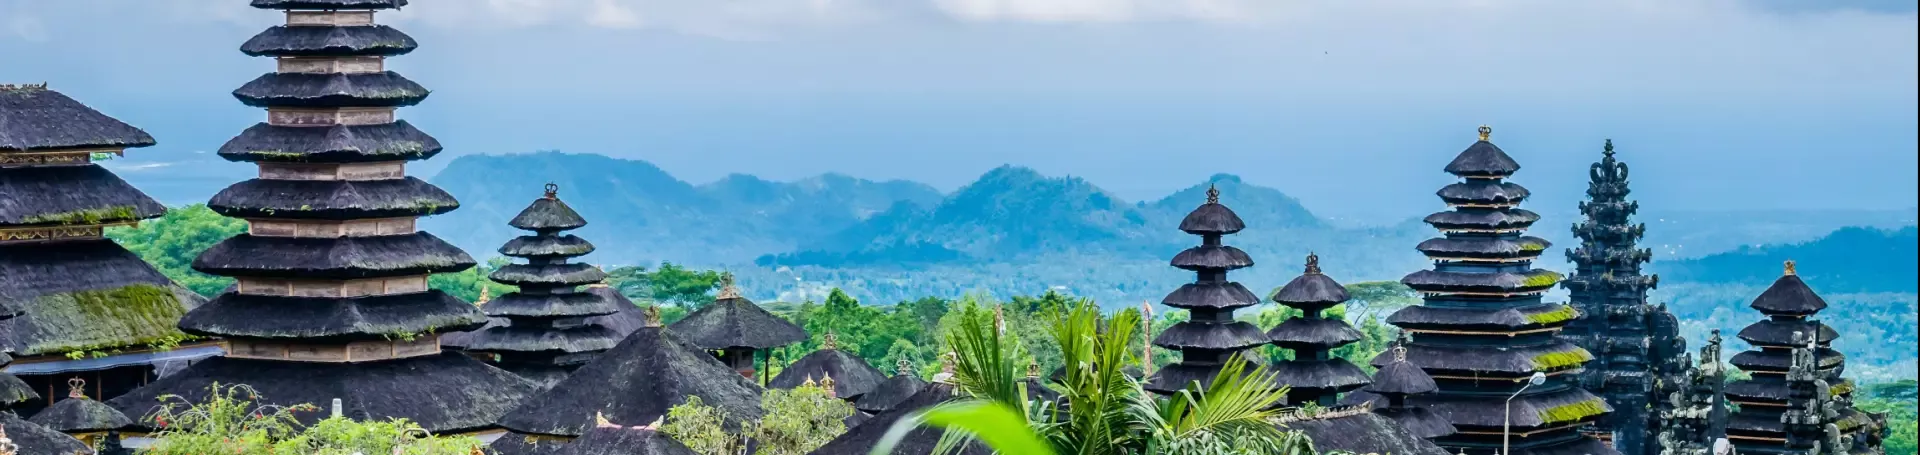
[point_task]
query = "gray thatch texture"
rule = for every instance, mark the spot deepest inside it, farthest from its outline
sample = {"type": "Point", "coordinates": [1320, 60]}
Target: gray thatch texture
{"type": "Point", "coordinates": [34, 439]}
{"type": "Point", "coordinates": [1212, 257]}
{"type": "Point", "coordinates": [1582, 446]}
{"type": "Point", "coordinates": [543, 375]}
{"type": "Point", "coordinates": [80, 415]}
{"type": "Point", "coordinates": [1484, 247]}
{"type": "Point", "coordinates": [1483, 219]}
{"type": "Point", "coordinates": [1178, 376]}
{"type": "Point", "coordinates": [526, 339]}
{"type": "Point", "coordinates": [1317, 377]}
{"type": "Point", "coordinates": [1530, 410]}
{"type": "Point", "coordinates": [1449, 318]}
{"type": "Point", "coordinates": [638, 380]}
{"type": "Point", "coordinates": [517, 304]}
{"type": "Point", "coordinates": [629, 318]}
{"type": "Point", "coordinates": [1204, 335]}
{"type": "Point", "coordinates": [445, 393]}
{"type": "Point", "coordinates": [1401, 377]}
{"type": "Point", "coordinates": [311, 41]}
{"type": "Point", "coordinates": [523, 444]}
{"type": "Point", "coordinates": [1419, 422]}
{"type": "Point", "coordinates": [1776, 360]}
{"type": "Point", "coordinates": [547, 274]}
{"type": "Point", "coordinates": [1482, 160]}
{"type": "Point", "coordinates": [1478, 191]}
{"type": "Point", "coordinates": [331, 319]}
{"type": "Point", "coordinates": [1363, 433]}
{"type": "Point", "coordinates": [1212, 218]}
{"type": "Point", "coordinates": [548, 214]}
{"type": "Point", "coordinates": [1313, 290]}
{"type": "Point", "coordinates": [1317, 333]}
{"type": "Point", "coordinates": [528, 246]}
{"type": "Point", "coordinates": [1512, 360]}
{"type": "Point", "coordinates": [1779, 332]}
{"type": "Point", "coordinates": [737, 323]}
{"type": "Point", "coordinates": [383, 89]}
{"type": "Point", "coordinates": [921, 441]}
{"type": "Point", "coordinates": [37, 118]}
{"type": "Point", "coordinates": [14, 391]}
{"type": "Point", "coordinates": [1437, 281]}
{"type": "Point", "coordinates": [85, 294]}
{"type": "Point", "coordinates": [1762, 388]}
{"type": "Point", "coordinates": [70, 195]}
{"type": "Point", "coordinates": [331, 144]}
{"type": "Point", "coordinates": [332, 199]}
{"type": "Point", "coordinates": [1788, 295]}
{"type": "Point", "coordinates": [625, 441]}
{"type": "Point", "coordinates": [852, 376]}
{"type": "Point", "coordinates": [418, 253]}
{"type": "Point", "coordinates": [890, 393]}
{"type": "Point", "coordinates": [328, 4]}
{"type": "Point", "coordinates": [1214, 294]}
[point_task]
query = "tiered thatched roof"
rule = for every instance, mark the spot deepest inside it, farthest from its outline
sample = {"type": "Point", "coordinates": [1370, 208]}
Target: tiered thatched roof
{"type": "Point", "coordinates": [737, 328]}
{"type": "Point", "coordinates": [1314, 375]}
{"type": "Point", "coordinates": [852, 376]}
{"type": "Point", "coordinates": [550, 329]}
{"type": "Point", "coordinates": [1787, 343]}
{"type": "Point", "coordinates": [1210, 334]}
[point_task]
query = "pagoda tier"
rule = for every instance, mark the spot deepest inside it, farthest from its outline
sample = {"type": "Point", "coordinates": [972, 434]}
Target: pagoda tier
{"type": "Point", "coordinates": [81, 417]}
{"type": "Point", "coordinates": [1389, 389]}
{"type": "Point", "coordinates": [331, 299]}
{"type": "Point", "coordinates": [852, 376]}
{"type": "Point", "coordinates": [1210, 335]}
{"type": "Point", "coordinates": [548, 333]}
{"type": "Point", "coordinates": [1773, 403]}
{"type": "Point", "coordinates": [737, 328]}
{"type": "Point", "coordinates": [1314, 375]}
{"type": "Point", "coordinates": [1483, 331]}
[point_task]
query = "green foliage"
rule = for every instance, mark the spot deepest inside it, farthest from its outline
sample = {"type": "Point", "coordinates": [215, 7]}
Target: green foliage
{"type": "Point", "coordinates": [701, 428]}
{"type": "Point", "coordinates": [172, 241]}
{"type": "Point", "coordinates": [466, 284]}
{"type": "Point", "coordinates": [998, 426]}
{"type": "Point", "coordinates": [1562, 314]}
{"type": "Point", "coordinates": [1573, 411]}
{"type": "Point", "coordinates": [103, 321]}
{"type": "Point", "coordinates": [795, 422]}
{"type": "Point", "coordinates": [1557, 360]}
{"type": "Point", "coordinates": [230, 421]}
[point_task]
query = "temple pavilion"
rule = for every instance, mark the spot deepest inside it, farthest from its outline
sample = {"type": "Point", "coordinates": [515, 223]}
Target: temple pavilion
{"type": "Point", "coordinates": [1210, 335]}
{"type": "Point", "coordinates": [549, 329]}
{"type": "Point", "coordinates": [852, 376]}
{"type": "Point", "coordinates": [737, 329]}
{"type": "Point", "coordinates": [1770, 393]}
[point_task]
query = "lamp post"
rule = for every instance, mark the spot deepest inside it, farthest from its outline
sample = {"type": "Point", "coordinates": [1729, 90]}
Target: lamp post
{"type": "Point", "coordinates": [1506, 427]}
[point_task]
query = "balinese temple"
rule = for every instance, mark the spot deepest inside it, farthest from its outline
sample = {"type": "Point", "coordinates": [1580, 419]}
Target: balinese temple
{"type": "Point", "coordinates": [1758, 427]}
{"type": "Point", "coordinates": [852, 376]}
{"type": "Point", "coordinates": [1695, 415]}
{"type": "Point", "coordinates": [1636, 346]}
{"type": "Point", "coordinates": [631, 317]}
{"type": "Point", "coordinates": [1210, 335]}
{"type": "Point", "coordinates": [607, 438]}
{"type": "Point", "coordinates": [860, 440]}
{"type": "Point", "coordinates": [80, 306]}
{"type": "Point", "coordinates": [904, 384]}
{"type": "Point", "coordinates": [548, 331]}
{"type": "Point", "coordinates": [1483, 329]}
{"type": "Point", "coordinates": [1314, 375]}
{"type": "Point", "coordinates": [331, 299]}
{"type": "Point", "coordinates": [92, 422]}
{"type": "Point", "coordinates": [737, 329]}
{"type": "Point", "coordinates": [28, 437]}
{"type": "Point", "coordinates": [649, 372]}
{"type": "Point", "coordinates": [1388, 393]}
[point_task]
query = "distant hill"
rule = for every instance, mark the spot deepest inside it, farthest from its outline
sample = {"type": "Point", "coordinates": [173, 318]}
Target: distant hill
{"type": "Point", "coordinates": [1853, 259]}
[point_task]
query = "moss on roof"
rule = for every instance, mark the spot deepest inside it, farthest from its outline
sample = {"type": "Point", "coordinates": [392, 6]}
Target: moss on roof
{"type": "Point", "coordinates": [88, 216]}
{"type": "Point", "coordinates": [1573, 412]}
{"type": "Point", "coordinates": [137, 315]}
{"type": "Point", "coordinates": [1562, 359]}
{"type": "Point", "coordinates": [1561, 314]}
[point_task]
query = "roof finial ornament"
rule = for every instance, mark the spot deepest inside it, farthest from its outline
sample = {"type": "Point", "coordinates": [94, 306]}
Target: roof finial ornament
{"type": "Point", "coordinates": [727, 289]}
{"type": "Point", "coordinates": [553, 191]}
{"type": "Point", "coordinates": [809, 382]}
{"type": "Point", "coordinates": [1400, 350]}
{"type": "Point", "coordinates": [1033, 369]}
{"type": "Point", "coordinates": [1790, 270]}
{"type": "Point", "coordinates": [826, 383]}
{"type": "Point", "coordinates": [1213, 194]}
{"type": "Point", "coordinates": [656, 423]}
{"type": "Point", "coordinates": [1609, 148]}
{"type": "Point", "coordinates": [903, 366]}
{"type": "Point", "coordinates": [1485, 132]}
{"type": "Point", "coordinates": [76, 388]}
{"type": "Point", "coordinates": [1313, 263]}
{"type": "Point", "coordinates": [600, 420]}
{"type": "Point", "coordinates": [829, 341]}
{"type": "Point", "coordinates": [946, 367]}
{"type": "Point", "coordinates": [486, 294]}
{"type": "Point", "coordinates": [7, 447]}
{"type": "Point", "coordinates": [653, 315]}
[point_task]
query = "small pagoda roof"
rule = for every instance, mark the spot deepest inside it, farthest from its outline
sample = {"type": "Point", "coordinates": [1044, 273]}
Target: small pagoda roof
{"type": "Point", "coordinates": [35, 439]}
{"type": "Point", "coordinates": [860, 440]}
{"type": "Point", "coordinates": [1779, 360]}
{"type": "Point", "coordinates": [331, 318]}
{"type": "Point", "coordinates": [626, 319]}
{"type": "Point", "coordinates": [1517, 361]}
{"type": "Point", "coordinates": [548, 214]}
{"type": "Point", "coordinates": [1177, 376]}
{"type": "Point", "coordinates": [1535, 280]}
{"type": "Point", "coordinates": [571, 340]}
{"type": "Point", "coordinates": [1544, 408]}
{"type": "Point", "coordinates": [1504, 219]}
{"type": "Point", "coordinates": [607, 439]}
{"type": "Point", "coordinates": [1483, 192]}
{"type": "Point", "coordinates": [1777, 332]}
{"type": "Point", "coordinates": [34, 118]}
{"type": "Point", "coordinates": [332, 199]}
{"type": "Point", "coordinates": [322, 90]}
{"type": "Point", "coordinates": [326, 41]}
{"type": "Point", "coordinates": [1333, 375]}
{"type": "Point", "coordinates": [1789, 296]}
{"type": "Point", "coordinates": [1212, 257]}
{"type": "Point", "coordinates": [852, 376]}
{"type": "Point", "coordinates": [1311, 289]}
{"type": "Point", "coordinates": [1212, 217]}
{"type": "Point", "coordinates": [1483, 160]}
{"type": "Point", "coordinates": [1523, 247]}
{"type": "Point", "coordinates": [1363, 432]}
{"type": "Point", "coordinates": [418, 253]}
{"type": "Point", "coordinates": [546, 246]}
{"type": "Point", "coordinates": [547, 274]}
{"type": "Point", "coordinates": [14, 391]}
{"type": "Point", "coordinates": [445, 393]}
{"type": "Point", "coordinates": [1397, 376]}
{"type": "Point", "coordinates": [649, 372]}
{"type": "Point", "coordinates": [1313, 333]}
{"type": "Point", "coordinates": [735, 322]}
{"type": "Point", "coordinates": [1511, 318]}
{"type": "Point", "coordinates": [1419, 422]}
{"type": "Point", "coordinates": [329, 4]}
{"type": "Point", "coordinates": [1224, 295]}
{"type": "Point", "coordinates": [70, 195]}
{"type": "Point", "coordinates": [80, 414]}
{"type": "Point", "coordinates": [571, 304]}
{"type": "Point", "coordinates": [1206, 335]}
{"type": "Point", "coordinates": [890, 393]}
{"type": "Point", "coordinates": [58, 290]}
{"type": "Point", "coordinates": [264, 142]}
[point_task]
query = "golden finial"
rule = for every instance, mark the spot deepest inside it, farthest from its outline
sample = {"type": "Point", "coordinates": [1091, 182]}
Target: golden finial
{"type": "Point", "coordinates": [829, 341]}
{"type": "Point", "coordinates": [903, 366]}
{"type": "Point", "coordinates": [1485, 131]}
{"type": "Point", "coordinates": [1033, 369]}
{"type": "Point", "coordinates": [826, 383]}
{"type": "Point", "coordinates": [727, 289]}
{"type": "Point", "coordinates": [946, 367]}
{"type": "Point", "coordinates": [1213, 194]}
{"type": "Point", "coordinates": [7, 446]}
{"type": "Point", "coordinates": [486, 294]}
{"type": "Point", "coordinates": [599, 285]}
{"type": "Point", "coordinates": [553, 191]}
{"type": "Point", "coordinates": [76, 388]}
{"type": "Point", "coordinates": [1790, 267]}
{"type": "Point", "coordinates": [809, 382]}
{"type": "Point", "coordinates": [1313, 263]}
{"type": "Point", "coordinates": [653, 315]}
{"type": "Point", "coordinates": [600, 420]}
{"type": "Point", "coordinates": [1399, 352]}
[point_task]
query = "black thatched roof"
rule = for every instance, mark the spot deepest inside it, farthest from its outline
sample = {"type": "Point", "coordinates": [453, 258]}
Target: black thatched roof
{"type": "Point", "coordinates": [1483, 219]}
{"type": "Point", "coordinates": [1520, 360]}
{"type": "Point", "coordinates": [1482, 160]}
{"type": "Point", "coordinates": [546, 246]}
{"type": "Point", "coordinates": [1206, 335]}
{"type": "Point", "coordinates": [1212, 257]}
{"type": "Point", "coordinates": [1790, 296]}
{"type": "Point", "coordinates": [1582, 446]}
{"type": "Point", "coordinates": [1312, 289]}
{"type": "Point", "coordinates": [1480, 191]}
{"type": "Point", "coordinates": [553, 305]}
{"type": "Point", "coordinates": [332, 199]}
{"type": "Point", "coordinates": [1778, 360]}
{"type": "Point", "coordinates": [1225, 295]}
{"type": "Point", "coordinates": [418, 253]}
{"type": "Point", "coordinates": [852, 376]}
{"type": "Point", "coordinates": [38, 118]}
{"type": "Point", "coordinates": [1314, 377]}
{"type": "Point", "coordinates": [625, 441]}
{"type": "Point", "coordinates": [13, 390]}
{"type": "Point", "coordinates": [547, 274]}
{"type": "Point", "coordinates": [90, 294]}
{"type": "Point", "coordinates": [328, 4]}
{"type": "Point", "coordinates": [1779, 332]}
{"type": "Point", "coordinates": [1538, 315]}
{"type": "Point", "coordinates": [1177, 376]}
{"type": "Point", "coordinates": [34, 439]}
{"type": "Point", "coordinates": [1438, 281]}
{"type": "Point", "coordinates": [1419, 422]}
{"type": "Point", "coordinates": [628, 318]}
{"type": "Point", "coordinates": [69, 195]}
{"type": "Point", "coordinates": [334, 319]}
{"type": "Point", "coordinates": [860, 440]}
{"type": "Point", "coordinates": [383, 89]}
{"type": "Point", "coordinates": [1401, 377]}
{"type": "Point", "coordinates": [446, 393]}
{"type": "Point", "coordinates": [1546, 407]}
{"type": "Point", "coordinates": [312, 41]}
{"type": "Point", "coordinates": [1363, 433]}
{"type": "Point", "coordinates": [1212, 218]}
{"type": "Point", "coordinates": [649, 372]}
{"type": "Point", "coordinates": [1765, 390]}
{"type": "Point", "coordinates": [1314, 333]}
{"type": "Point", "coordinates": [890, 393]}
{"type": "Point", "coordinates": [737, 323]}
{"type": "Point", "coordinates": [585, 338]}
{"type": "Point", "coordinates": [1484, 247]}
{"type": "Point", "coordinates": [548, 214]}
{"type": "Point", "coordinates": [80, 415]}
{"type": "Point", "coordinates": [331, 144]}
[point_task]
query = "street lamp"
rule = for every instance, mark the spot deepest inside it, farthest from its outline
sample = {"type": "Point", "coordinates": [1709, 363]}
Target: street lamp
{"type": "Point", "coordinates": [1720, 447]}
{"type": "Point", "coordinates": [1506, 427]}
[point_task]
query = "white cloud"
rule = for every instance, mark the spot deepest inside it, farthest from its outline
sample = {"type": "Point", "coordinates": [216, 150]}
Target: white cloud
{"type": "Point", "coordinates": [612, 14]}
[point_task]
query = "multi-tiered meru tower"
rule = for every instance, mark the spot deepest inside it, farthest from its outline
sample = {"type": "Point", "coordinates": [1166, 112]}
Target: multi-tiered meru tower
{"type": "Point", "coordinates": [1776, 391]}
{"type": "Point", "coordinates": [550, 330]}
{"type": "Point", "coordinates": [1209, 335]}
{"type": "Point", "coordinates": [332, 298]}
{"type": "Point", "coordinates": [1637, 348]}
{"type": "Point", "coordinates": [1483, 331]}
{"type": "Point", "coordinates": [1314, 375]}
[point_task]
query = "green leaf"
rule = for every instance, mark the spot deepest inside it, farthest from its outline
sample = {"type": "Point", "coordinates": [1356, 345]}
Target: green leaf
{"type": "Point", "coordinates": [998, 426]}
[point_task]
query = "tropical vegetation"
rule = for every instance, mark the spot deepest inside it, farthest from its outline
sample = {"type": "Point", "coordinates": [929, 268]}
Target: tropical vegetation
{"type": "Point", "coordinates": [233, 420]}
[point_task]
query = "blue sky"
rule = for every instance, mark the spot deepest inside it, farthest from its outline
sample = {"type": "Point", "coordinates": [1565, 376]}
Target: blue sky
{"type": "Point", "coordinates": [1351, 105]}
